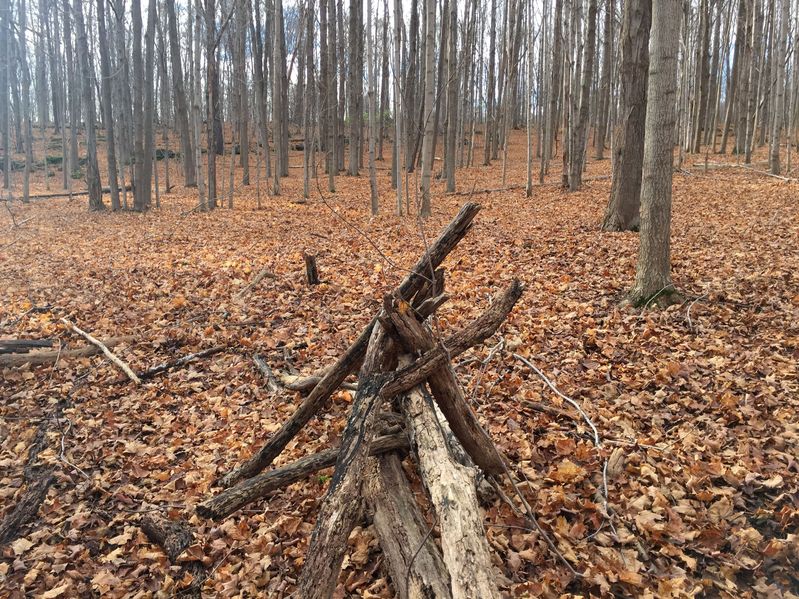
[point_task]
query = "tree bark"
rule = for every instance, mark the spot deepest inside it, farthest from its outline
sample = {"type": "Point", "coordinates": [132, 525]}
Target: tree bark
{"type": "Point", "coordinates": [429, 90]}
{"type": "Point", "coordinates": [105, 71]}
{"type": "Point", "coordinates": [653, 274]}
{"type": "Point", "coordinates": [622, 213]}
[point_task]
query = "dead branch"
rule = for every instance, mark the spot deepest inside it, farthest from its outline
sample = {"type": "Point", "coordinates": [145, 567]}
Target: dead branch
{"type": "Point", "coordinates": [27, 507]}
{"type": "Point", "coordinates": [174, 537]}
{"type": "Point", "coordinates": [23, 346]}
{"type": "Point", "coordinates": [264, 273]}
{"type": "Point", "coordinates": [107, 352]}
{"type": "Point", "coordinates": [178, 362]}
{"type": "Point", "coordinates": [46, 357]}
{"type": "Point", "coordinates": [266, 372]}
{"type": "Point", "coordinates": [252, 489]}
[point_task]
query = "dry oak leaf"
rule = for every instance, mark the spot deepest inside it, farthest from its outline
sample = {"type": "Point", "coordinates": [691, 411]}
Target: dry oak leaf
{"type": "Point", "coordinates": [567, 471]}
{"type": "Point", "coordinates": [56, 591]}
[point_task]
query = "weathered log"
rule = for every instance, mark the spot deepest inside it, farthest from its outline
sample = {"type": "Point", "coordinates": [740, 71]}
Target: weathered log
{"type": "Point", "coordinates": [23, 346]}
{"type": "Point", "coordinates": [252, 489]}
{"type": "Point", "coordinates": [416, 337]}
{"type": "Point", "coordinates": [472, 334]}
{"type": "Point", "coordinates": [343, 504]}
{"type": "Point", "coordinates": [311, 270]}
{"type": "Point", "coordinates": [27, 507]}
{"type": "Point", "coordinates": [304, 384]}
{"type": "Point", "coordinates": [431, 260]}
{"type": "Point", "coordinates": [414, 560]}
{"type": "Point", "coordinates": [178, 362]}
{"type": "Point", "coordinates": [174, 537]}
{"type": "Point", "coordinates": [452, 491]}
{"type": "Point", "coordinates": [46, 357]}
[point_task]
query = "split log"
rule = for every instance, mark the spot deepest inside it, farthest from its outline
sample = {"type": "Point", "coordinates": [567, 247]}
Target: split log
{"type": "Point", "coordinates": [258, 278]}
{"type": "Point", "coordinates": [447, 392]}
{"type": "Point", "coordinates": [27, 507]}
{"type": "Point", "coordinates": [311, 271]}
{"type": "Point", "coordinates": [414, 560]}
{"type": "Point", "coordinates": [47, 357]}
{"type": "Point", "coordinates": [421, 272]}
{"type": "Point", "coordinates": [107, 352]}
{"type": "Point", "coordinates": [178, 362]}
{"type": "Point", "coordinates": [23, 346]}
{"type": "Point", "coordinates": [174, 537]}
{"type": "Point", "coordinates": [452, 490]}
{"type": "Point", "coordinates": [252, 489]}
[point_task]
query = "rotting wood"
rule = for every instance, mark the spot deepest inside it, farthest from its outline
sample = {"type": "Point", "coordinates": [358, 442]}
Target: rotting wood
{"type": "Point", "coordinates": [452, 490]}
{"type": "Point", "coordinates": [343, 503]}
{"type": "Point", "coordinates": [27, 507]}
{"type": "Point", "coordinates": [353, 357]}
{"type": "Point", "coordinates": [266, 372]}
{"type": "Point", "coordinates": [252, 489]}
{"type": "Point", "coordinates": [472, 334]}
{"type": "Point", "coordinates": [413, 558]}
{"type": "Point", "coordinates": [46, 357]}
{"type": "Point", "coordinates": [311, 270]}
{"type": "Point", "coordinates": [174, 537]}
{"type": "Point", "coordinates": [23, 346]}
{"type": "Point", "coordinates": [107, 352]}
{"type": "Point", "coordinates": [178, 362]}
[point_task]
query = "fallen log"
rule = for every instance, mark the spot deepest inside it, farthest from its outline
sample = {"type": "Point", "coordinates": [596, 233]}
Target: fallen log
{"type": "Point", "coordinates": [27, 507]}
{"type": "Point", "coordinates": [413, 558]}
{"type": "Point", "coordinates": [452, 490]}
{"type": "Point", "coordinates": [107, 352]}
{"type": "Point", "coordinates": [266, 372]}
{"type": "Point", "coordinates": [46, 357]}
{"type": "Point", "coordinates": [422, 271]}
{"type": "Point", "coordinates": [252, 489]}
{"type": "Point", "coordinates": [178, 362]}
{"type": "Point", "coordinates": [23, 346]}
{"type": "Point", "coordinates": [173, 537]}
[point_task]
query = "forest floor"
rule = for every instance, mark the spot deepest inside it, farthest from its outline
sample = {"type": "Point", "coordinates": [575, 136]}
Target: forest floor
{"type": "Point", "coordinates": [697, 406]}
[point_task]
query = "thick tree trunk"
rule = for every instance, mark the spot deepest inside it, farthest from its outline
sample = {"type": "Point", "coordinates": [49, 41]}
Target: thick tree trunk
{"type": "Point", "coordinates": [622, 213]}
{"type": "Point", "coordinates": [181, 105]}
{"type": "Point", "coordinates": [581, 127]}
{"type": "Point", "coordinates": [779, 95]}
{"type": "Point", "coordinates": [105, 71]}
{"type": "Point", "coordinates": [92, 170]}
{"type": "Point", "coordinates": [653, 274]}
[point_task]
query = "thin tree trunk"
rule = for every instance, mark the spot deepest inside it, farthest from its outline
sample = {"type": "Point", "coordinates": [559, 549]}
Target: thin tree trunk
{"type": "Point", "coordinates": [779, 96]}
{"type": "Point", "coordinates": [371, 81]}
{"type": "Point", "coordinates": [105, 71]}
{"type": "Point", "coordinates": [429, 89]}
{"type": "Point", "coordinates": [581, 130]}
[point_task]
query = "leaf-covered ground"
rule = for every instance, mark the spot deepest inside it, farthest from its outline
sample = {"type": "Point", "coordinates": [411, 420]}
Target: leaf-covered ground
{"type": "Point", "coordinates": [696, 406]}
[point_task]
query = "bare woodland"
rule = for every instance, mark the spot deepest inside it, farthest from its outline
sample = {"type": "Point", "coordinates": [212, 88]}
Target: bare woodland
{"type": "Point", "coordinates": [291, 347]}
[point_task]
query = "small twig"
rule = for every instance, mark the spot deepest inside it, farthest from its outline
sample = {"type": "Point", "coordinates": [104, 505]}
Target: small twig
{"type": "Point", "coordinates": [107, 352]}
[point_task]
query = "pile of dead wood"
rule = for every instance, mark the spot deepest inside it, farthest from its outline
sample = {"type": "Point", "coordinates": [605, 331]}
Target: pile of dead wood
{"type": "Point", "coordinates": [408, 397]}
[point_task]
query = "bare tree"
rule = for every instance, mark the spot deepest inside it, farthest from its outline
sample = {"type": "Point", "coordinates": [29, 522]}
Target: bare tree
{"type": "Point", "coordinates": [653, 274]}
{"type": "Point", "coordinates": [105, 72]}
{"type": "Point", "coordinates": [429, 91]}
{"type": "Point", "coordinates": [622, 213]}
{"type": "Point", "coordinates": [779, 96]}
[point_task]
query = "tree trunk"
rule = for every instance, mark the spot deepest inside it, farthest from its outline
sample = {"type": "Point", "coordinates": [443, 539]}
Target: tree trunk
{"type": "Point", "coordinates": [622, 213]}
{"type": "Point", "coordinates": [452, 96]}
{"type": "Point", "coordinates": [105, 71]}
{"type": "Point", "coordinates": [581, 128]}
{"type": "Point", "coordinates": [429, 90]}
{"type": "Point", "coordinates": [375, 206]}
{"type": "Point", "coordinates": [653, 274]}
{"type": "Point", "coordinates": [779, 95]}
{"type": "Point", "coordinates": [181, 105]}
{"type": "Point", "coordinates": [212, 140]}
{"type": "Point", "coordinates": [92, 170]}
